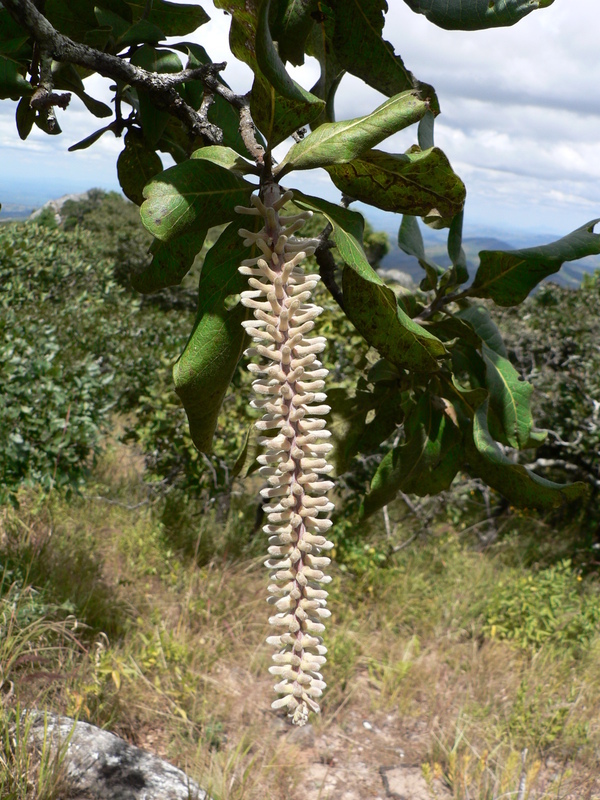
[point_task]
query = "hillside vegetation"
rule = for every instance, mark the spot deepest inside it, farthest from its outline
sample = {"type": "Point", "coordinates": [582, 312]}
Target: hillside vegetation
{"type": "Point", "coordinates": [465, 649]}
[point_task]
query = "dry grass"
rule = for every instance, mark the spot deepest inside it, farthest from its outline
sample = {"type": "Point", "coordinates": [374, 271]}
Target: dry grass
{"type": "Point", "coordinates": [170, 655]}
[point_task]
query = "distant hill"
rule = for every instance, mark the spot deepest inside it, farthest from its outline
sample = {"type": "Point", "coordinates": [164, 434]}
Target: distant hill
{"type": "Point", "coordinates": [570, 274]}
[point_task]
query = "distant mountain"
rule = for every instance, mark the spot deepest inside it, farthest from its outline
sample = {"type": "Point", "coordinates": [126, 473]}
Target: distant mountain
{"type": "Point", "coordinates": [478, 238]}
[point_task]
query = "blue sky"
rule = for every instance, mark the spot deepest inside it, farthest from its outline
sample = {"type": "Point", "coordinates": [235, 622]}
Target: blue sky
{"type": "Point", "coordinates": [520, 118]}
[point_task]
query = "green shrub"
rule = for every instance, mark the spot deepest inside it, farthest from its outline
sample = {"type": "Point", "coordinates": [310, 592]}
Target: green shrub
{"type": "Point", "coordinates": [548, 607]}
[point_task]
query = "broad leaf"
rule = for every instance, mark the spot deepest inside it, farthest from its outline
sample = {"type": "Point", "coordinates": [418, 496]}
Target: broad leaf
{"type": "Point", "coordinates": [370, 305]}
{"type": "Point", "coordinates": [355, 30]}
{"type": "Point", "coordinates": [174, 19]}
{"type": "Point", "coordinates": [372, 308]}
{"type": "Point", "coordinates": [25, 116]}
{"type": "Point", "coordinates": [272, 66]}
{"type": "Point", "coordinates": [244, 20]}
{"type": "Point", "coordinates": [508, 276]}
{"type": "Point", "coordinates": [196, 193]}
{"type": "Point", "coordinates": [457, 255]}
{"type": "Point", "coordinates": [203, 372]}
{"type": "Point", "coordinates": [410, 240]}
{"type": "Point", "coordinates": [136, 166]}
{"type": "Point", "coordinates": [319, 47]}
{"type": "Point", "coordinates": [171, 262]}
{"type": "Point", "coordinates": [277, 117]}
{"type": "Point", "coordinates": [452, 329]}
{"type": "Point", "coordinates": [225, 157]}
{"type": "Point", "coordinates": [290, 26]}
{"type": "Point", "coordinates": [340, 142]}
{"type": "Point", "coordinates": [72, 18]}
{"type": "Point", "coordinates": [65, 76]}
{"type": "Point", "coordinates": [413, 183]}
{"type": "Point", "coordinates": [519, 485]}
{"type": "Point", "coordinates": [430, 434]}
{"type": "Point", "coordinates": [11, 33]}
{"type": "Point", "coordinates": [484, 326]}
{"type": "Point", "coordinates": [12, 80]}
{"type": "Point", "coordinates": [92, 139]}
{"type": "Point", "coordinates": [348, 227]}
{"type": "Point", "coordinates": [470, 15]}
{"type": "Point", "coordinates": [509, 402]}
{"type": "Point", "coordinates": [347, 421]}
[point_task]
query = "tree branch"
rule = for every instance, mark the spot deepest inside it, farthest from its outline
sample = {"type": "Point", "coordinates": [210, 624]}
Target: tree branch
{"type": "Point", "coordinates": [160, 88]}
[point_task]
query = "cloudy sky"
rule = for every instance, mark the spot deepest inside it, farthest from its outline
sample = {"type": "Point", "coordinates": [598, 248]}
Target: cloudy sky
{"type": "Point", "coordinates": [520, 118]}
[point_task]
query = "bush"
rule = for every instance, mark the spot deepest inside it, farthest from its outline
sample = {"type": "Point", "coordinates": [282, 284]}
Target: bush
{"type": "Point", "coordinates": [75, 347]}
{"type": "Point", "coordinates": [549, 607]}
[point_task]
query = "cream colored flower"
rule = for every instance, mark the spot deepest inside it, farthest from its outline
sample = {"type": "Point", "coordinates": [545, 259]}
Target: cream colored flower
{"type": "Point", "coordinates": [289, 390]}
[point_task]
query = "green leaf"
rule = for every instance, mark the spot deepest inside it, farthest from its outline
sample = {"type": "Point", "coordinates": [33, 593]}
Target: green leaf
{"type": "Point", "coordinates": [410, 240]}
{"type": "Point", "coordinates": [171, 262]}
{"type": "Point", "coordinates": [174, 19]}
{"type": "Point", "coordinates": [225, 157]}
{"type": "Point", "coordinates": [484, 326]}
{"type": "Point", "coordinates": [246, 461]}
{"type": "Point", "coordinates": [450, 328]}
{"type": "Point", "coordinates": [25, 116]}
{"type": "Point", "coordinates": [340, 142]}
{"type": "Point", "coordinates": [371, 306]}
{"type": "Point", "coordinates": [373, 309]}
{"type": "Point", "coordinates": [72, 18]}
{"type": "Point", "coordinates": [348, 227]}
{"type": "Point", "coordinates": [278, 117]}
{"type": "Point", "coordinates": [11, 33]}
{"type": "Point", "coordinates": [519, 485]}
{"type": "Point", "coordinates": [12, 81]}
{"type": "Point", "coordinates": [244, 17]}
{"type": "Point", "coordinates": [347, 421]}
{"type": "Point", "coordinates": [91, 139]}
{"type": "Point", "coordinates": [66, 77]}
{"type": "Point", "coordinates": [471, 15]}
{"type": "Point", "coordinates": [290, 27]}
{"type": "Point", "coordinates": [508, 276]}
{"type": "Point", "coordinates": [272, 66]}
{"type": "Point", "coordinates": [203, 372]}
{"type": "Point", "coordinates": [456, 252]}
{"type": "Point", "coordinates": [136, 166]}
{"type": "Point", "coordinates": [430, 434]}
{"type": "Point", "coordinates": [319, 47]}
{"type": "Point", "coordinates": [509, 401]}
{"type": "Point", "coordinates": [275, 115]}
{"type": "Point", "coordinates": [196, 193]}
{"type": "Point", "coordinates": [413, 183]}
{"type": "Point", "coordinates": [425, 130]}
{"type": "Point", "coordinates": [355, 29]}
{"type": "Point", "coordinates": [139, 33]}
{"type": "Point", "coordinates": [109, 20]}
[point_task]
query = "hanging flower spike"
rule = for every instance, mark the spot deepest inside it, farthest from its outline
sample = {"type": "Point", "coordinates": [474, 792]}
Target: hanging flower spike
{"type": "Point", "coordinates": [289, 383]}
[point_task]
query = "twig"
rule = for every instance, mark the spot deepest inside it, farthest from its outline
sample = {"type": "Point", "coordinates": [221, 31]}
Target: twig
{"type": "Point", "coordinates": [159, 87]}
{"type": "Point", "coordinates": [402, 545]}
{"type": "Point", "coordinates": [118, 502]}
{"type": "Point", "coordinates": [523, 778]}
{"type": "Point", "coordinates": [386, 522]}
{"type": "Point", "coordinates": [247, 128]}
{"type": "Point", "coordinates": [44, 97]}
